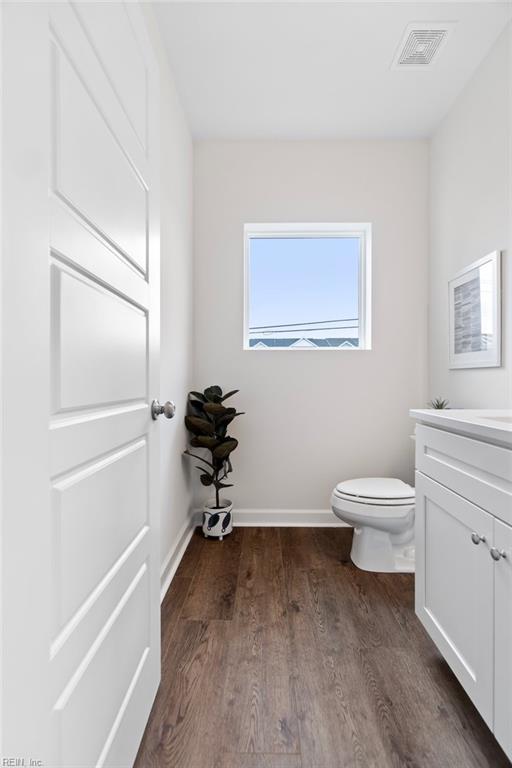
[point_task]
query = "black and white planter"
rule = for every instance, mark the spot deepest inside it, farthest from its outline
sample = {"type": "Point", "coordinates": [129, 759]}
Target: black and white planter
{"type": "Point", "coordinates": [218, 522]}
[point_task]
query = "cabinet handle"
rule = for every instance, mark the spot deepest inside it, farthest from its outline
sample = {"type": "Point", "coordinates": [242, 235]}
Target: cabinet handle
{"type": "Point", "coordinates": [497, 554]}
{"type": "Point", "coordinates": [476, 538]}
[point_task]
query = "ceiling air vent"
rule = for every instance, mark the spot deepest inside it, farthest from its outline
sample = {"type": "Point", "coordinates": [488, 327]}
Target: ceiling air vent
{"type": "Point", "coordinates": [421, 44]}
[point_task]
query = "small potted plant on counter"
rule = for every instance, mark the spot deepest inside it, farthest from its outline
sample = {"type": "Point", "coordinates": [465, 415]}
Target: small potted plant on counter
{"type": "Point", "coordinates": [207, 420]}
{"type": "Point", "coordinates": [439, 404]}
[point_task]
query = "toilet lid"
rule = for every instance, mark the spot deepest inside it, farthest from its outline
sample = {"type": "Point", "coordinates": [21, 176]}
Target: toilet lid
{"type": "Point", "coordinates": [381, 488]}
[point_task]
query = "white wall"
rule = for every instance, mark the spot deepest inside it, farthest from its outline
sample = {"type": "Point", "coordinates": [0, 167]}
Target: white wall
{"type": "Point", "coordinates": [176, 174]}
{"type": "Point", "coordinates": [314, 418]}
{"type": "Point", "coordinates": [471, 216]}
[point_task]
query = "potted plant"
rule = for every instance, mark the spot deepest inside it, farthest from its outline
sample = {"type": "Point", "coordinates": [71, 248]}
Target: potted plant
{"type": "Point", "coordinates": [207, 420]}
{"type": "Point", "coordinates": [439, 404]}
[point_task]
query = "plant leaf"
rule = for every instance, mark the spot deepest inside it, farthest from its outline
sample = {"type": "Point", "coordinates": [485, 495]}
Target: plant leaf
{"type": "Point", "coordinates": [195, 408]}
{"type": "Point", "coordinates": [198, 426]}
{"type": "Point", "coordinates": [199, 396]}
{"type": "Point", "coordinates": [204, 441]}
{"type": "Point", "coordinates": [230, 394]}
{"type": "Point", "coordinates": [223, 450]}
{"type": "Point", "coordinates": [215, 409]}
{"type": "Point", "coordinates": [213, 394]}
{"type": "Point", "coordinates": [227, 418]}
{"type": "Point", "coordinates": [205, 478]}
{"type": "Point", "coordinates": [224, 485]}
{"type": "Point", "coordinates": [439, 403]}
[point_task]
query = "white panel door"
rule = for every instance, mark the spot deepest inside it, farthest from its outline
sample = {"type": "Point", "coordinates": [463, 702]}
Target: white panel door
{"type": "Point", "coordinates": [455, 586]}
{"type": "Point", "coordinates": [503, 636]}
{"type": "Point", "coordinates": [80, 327]}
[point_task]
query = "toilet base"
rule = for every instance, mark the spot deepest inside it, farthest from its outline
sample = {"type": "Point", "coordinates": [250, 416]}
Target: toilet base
{"type": "Point", "coordinates": [382, 552]}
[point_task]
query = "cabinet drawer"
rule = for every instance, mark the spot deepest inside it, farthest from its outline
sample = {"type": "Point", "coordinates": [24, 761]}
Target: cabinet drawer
{"type": "Point", "coordinates": [475, 470]}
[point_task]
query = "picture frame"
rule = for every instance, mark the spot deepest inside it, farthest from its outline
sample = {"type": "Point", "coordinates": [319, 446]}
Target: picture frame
{"type": "Point", "coordinates": [475, 314]}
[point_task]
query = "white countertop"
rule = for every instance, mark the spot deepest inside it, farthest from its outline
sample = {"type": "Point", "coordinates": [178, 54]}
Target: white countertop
{"type": "Point", "coordinates": [492, 426]}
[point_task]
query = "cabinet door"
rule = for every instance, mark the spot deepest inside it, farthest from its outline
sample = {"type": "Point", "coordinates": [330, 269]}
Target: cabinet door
{"type": "Point", "coordinates": [503, 637]}
{"type": "Point", "coordinates": [454, 586]}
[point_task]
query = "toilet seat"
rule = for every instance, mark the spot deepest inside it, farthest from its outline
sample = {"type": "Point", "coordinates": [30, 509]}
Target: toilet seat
{"type": "Point", "coordinates": [372, 508]}
{"type": "Point", "coordinates": [379, 491]}
{"type": "Point", "coordinates": [374, 502]}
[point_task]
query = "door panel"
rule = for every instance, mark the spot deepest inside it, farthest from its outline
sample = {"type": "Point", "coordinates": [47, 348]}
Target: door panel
{"type": "Point", "coordinates": [69, 644]}
{"type": "Point", "coordinates": [75, 437]}
{"type": "Point", "coordinates": [111, 194]}
{"type": "Point", "coordinates": [120, 655]}
{"type": "Point", "coordinates": [84, 331]}
{"type": "Point", "coordinates": [454, 586]}
{"type": "Point", "coordinates": [99, 344]}
{"type": "Point", "coordinates": [503, 638]}
{"type": "Point", "coordinates": [82, 247]}
{"type": "Point", "coordinates": [123, 63]}
{"type": "Point", "coordinates": [92, 534]}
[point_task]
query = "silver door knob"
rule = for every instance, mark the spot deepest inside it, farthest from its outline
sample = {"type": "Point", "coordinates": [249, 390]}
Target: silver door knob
{"type": "Point", "coordinates": [476, 538]}
{"type": "Point", "coordinates": [168, 409]}
{"type": "Point", "coordinates": [497, 554]}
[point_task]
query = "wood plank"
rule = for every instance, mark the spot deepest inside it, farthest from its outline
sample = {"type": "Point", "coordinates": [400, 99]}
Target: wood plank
{"type": "Point", "coordinates": [352, 601]}
{"type": "Point", "coordinates": [172, 605]}
{"type": "Point", "coordinates": [259, 714]}
{"type": "Point", "coordinates": [190, 560]}
{"type": "Point", "coordinates": [426, 724]}
{"type": "Point", "coordinates": [337, 725]}
{"type": "Point", "coordinates": [398, 589]}
{"type": "Point", "coordinates": [468, 726]}
{"type": "Point", "coordinates": [368, 608]}
{"type": "Point", "coordinates": [333, 544]}
{"type": "Point", "coordinates": [212, 593]}
{"type": "Point", "coordinates": [302, 547]}
{"type": "Point", "coordinates": [258, 761]}
{"type": "Point", "coordinates": [185, 724]}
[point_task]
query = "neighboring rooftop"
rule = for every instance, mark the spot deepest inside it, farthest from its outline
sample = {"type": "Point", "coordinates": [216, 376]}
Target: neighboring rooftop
{"type": "Point", "coordinates": [303, 342]}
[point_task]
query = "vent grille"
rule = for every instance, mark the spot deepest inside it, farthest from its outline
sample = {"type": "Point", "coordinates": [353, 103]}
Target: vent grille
{"type": "Point", "coordinates": [421, 44]}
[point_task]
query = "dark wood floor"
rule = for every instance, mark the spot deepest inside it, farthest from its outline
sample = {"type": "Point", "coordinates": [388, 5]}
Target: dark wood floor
{"type": "Point", "coordinates": [279, 653]}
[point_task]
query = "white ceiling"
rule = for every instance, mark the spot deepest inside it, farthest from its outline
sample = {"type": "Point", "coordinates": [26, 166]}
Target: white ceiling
{"type": "Point", "coordinates": [318, 70]}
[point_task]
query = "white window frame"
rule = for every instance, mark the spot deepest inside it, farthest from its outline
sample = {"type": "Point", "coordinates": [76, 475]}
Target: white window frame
{"type": "Point", "coordinates": [361, 230]}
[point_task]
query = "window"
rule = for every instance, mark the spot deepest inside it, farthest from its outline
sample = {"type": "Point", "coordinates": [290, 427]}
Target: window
{"type": "Point", "coordinates": [307, 286]}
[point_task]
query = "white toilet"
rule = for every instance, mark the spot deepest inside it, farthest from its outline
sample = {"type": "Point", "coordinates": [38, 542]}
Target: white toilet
{"type": "Point", "coordinates": [381, 509]}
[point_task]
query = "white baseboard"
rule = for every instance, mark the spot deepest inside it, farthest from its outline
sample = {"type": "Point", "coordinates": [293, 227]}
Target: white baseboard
{"type": "Point", "coordinates": [278, 518]}
{"type": "Point", "coordinates": [282, 518]}
{"type": "Point", "coordinates": [175, 555]}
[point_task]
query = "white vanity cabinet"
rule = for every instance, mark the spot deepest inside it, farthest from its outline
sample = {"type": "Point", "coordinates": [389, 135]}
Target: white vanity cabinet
{"type": "Point", "coordinates": [464, 561]}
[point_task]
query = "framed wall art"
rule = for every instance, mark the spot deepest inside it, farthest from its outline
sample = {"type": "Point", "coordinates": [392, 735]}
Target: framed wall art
{"type": "Point", "coordinates": [475, 314]}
